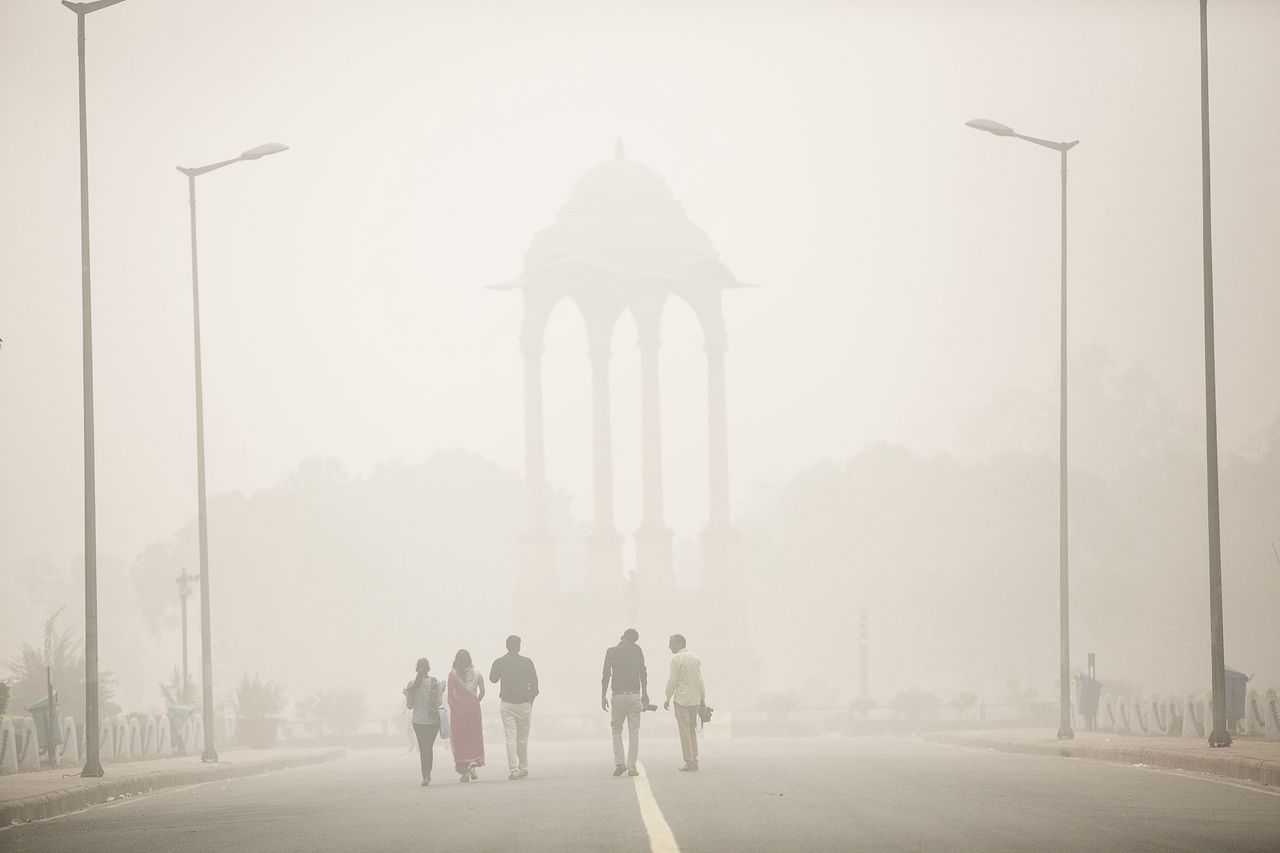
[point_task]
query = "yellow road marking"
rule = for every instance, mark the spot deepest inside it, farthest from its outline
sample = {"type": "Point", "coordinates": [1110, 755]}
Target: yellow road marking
{"type": "Point", "coordinates": [660, 838]}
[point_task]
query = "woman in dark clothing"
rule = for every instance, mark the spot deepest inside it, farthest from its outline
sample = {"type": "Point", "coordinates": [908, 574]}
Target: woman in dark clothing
{"type": "Point", "coordinates": [424, 695]}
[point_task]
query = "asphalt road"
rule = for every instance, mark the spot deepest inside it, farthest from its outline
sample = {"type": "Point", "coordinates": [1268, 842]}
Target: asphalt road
{"type": "Point", "coordinates": [860, 794]}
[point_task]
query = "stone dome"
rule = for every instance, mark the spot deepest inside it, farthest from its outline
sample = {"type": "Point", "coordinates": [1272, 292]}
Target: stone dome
{"type": "Point", "coordinates": [622, 206]}
{"type": "Point", "coordinates": [623, 186]}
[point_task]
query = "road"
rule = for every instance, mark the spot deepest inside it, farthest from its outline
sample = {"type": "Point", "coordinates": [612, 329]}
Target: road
{"type": "Point", "coordinates": [838, 794]}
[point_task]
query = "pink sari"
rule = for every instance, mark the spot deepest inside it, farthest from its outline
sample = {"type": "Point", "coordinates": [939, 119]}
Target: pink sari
{"type": "Point", "coordinates": [465, 732]}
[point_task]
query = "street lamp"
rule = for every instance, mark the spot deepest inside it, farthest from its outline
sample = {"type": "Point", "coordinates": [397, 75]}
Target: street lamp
{"type": "Point", "coordinates": [92, 764]}
{"type": "Point", "coordinates": [1064, 675]}
{"type": "Point", "coordinates": [1219, 736]}
{"type": "Point", "coordinates": [210, 753]}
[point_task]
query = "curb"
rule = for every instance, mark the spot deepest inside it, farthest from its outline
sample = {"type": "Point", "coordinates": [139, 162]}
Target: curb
{"type": "Point", "coordinates": [1257, 770]}
{"type": "Point", "coordinates": [56, 803]}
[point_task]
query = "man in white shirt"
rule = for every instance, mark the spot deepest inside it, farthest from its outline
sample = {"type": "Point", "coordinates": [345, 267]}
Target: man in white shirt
{"type": "Point", "coordinates": [685, 687]}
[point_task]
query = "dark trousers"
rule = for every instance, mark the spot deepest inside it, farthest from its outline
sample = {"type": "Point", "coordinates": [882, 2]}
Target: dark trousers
{"type": "Point", "coordinates": [426, 744]}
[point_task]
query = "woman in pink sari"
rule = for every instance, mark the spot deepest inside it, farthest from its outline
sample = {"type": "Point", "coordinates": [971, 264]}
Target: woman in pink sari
{"type": "Point", "coordinates": [466, 689]}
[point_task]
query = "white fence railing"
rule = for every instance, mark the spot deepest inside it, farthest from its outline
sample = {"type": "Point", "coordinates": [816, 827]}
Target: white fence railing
{"type": "Point", "coordinates": [120, 738]}
{"type": "Point", "coordinates": [1188, 717]}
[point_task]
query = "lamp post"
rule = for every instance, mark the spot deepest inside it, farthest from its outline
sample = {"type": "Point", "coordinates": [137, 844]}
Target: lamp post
{"type": "Point", "coordinates": [1064, 674]}
{"type": "Point", "coordinates": [1219, 736]}
{"type": "Point", "coordinates": [206, 652]}
{"type": "Point", "coordinates": [92, 764]}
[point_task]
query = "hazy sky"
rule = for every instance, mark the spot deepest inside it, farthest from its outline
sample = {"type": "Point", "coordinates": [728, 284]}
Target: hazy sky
{"type": "Point", "coordinates": [908, 264]}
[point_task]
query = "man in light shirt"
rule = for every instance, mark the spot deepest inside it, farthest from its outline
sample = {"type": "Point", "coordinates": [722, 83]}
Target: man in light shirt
{"type": "Point", "coordinates": [685, 687]}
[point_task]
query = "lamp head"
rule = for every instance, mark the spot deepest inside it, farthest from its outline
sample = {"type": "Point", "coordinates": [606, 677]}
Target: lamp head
{"type": "Point", "coordinates": [263, 151]}
{"type": "Point", "coordinates": [991, 126]}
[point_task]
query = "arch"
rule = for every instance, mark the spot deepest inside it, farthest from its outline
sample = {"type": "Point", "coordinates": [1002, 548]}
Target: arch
{"type": "Point", "coordinates": [683, 366]}
{"type": "Point", "coordinates": [565, 374]}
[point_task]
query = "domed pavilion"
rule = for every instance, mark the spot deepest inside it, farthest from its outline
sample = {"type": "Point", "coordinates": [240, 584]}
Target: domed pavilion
{"type": "Point", "coordinates": [622, 242]}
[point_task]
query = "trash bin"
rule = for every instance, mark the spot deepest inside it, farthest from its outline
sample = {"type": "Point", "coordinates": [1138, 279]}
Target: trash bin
{"type": "Point", "coordinates": [45, 731]}
{"type": "Point", "coordinates": [1237, 687]}
{"type": "Point", "coordinates": [178, 715]}
{"type": "Point", "coordinates": [1088, 693]}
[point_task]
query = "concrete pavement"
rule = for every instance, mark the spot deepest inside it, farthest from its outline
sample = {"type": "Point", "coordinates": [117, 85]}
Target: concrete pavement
{"type": "Point", "coordinates": [797, 794]}
{"type": "Point", "coordinates": [1247, 759]}
{"type": "Point", "coordinates": [47, 793]}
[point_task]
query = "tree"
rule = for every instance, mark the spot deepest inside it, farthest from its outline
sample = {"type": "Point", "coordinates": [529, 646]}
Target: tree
{"type": "Point", "coordinates": [258, 700]}
{"type": "Point", "coordinates": [175, 692]}
{"type": "Point", "coordinates": [340, 710]}
{"type": "Point", "coordinates": [61, 652]}
{"type": "Point", "coordinates": [914, 704]}
{"type": "Point", "coordinates": [964, 702]}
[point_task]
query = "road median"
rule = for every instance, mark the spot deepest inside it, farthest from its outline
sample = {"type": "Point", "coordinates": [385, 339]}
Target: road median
{"type": "Point", "coordinates": [49, 793]}
{"type": "Point", "coordinates": [1247, 760]}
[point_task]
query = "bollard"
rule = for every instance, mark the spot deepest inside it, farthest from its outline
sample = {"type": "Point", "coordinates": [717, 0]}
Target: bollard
{"type": "Point", "coordinates": [197, 732]}
{"type": "Point", "coordinates": [120, 730]}
{"type": "Point", "coordinates": [1254, 723]}
{"type": "Point", "coordinates": [137, 746]}
{"type": "Point", "coordinates": [1168, 720]}
{"type": "Point", "coordinates": [1271, 715]}
{"type": "Point", "coordinates": [69, 749]}
{"type": "Point", "coordinates": [164, 746]}
{"type": "Point", "coordinates": [28, 745]}
{"type": "Point", "coordinates": [1109, 721]}
{"type": "Point", "coordinates": [1140, 722]}
{"type": "Point", "coordinates": [151, 739]}
{"type": "Point", "coordinates": [8, 748]}
{"type": "Point", "coordinates": [106, 740]}
{"type": "Point", "coordinates": [1123, 724]}
{"type": "Point", "coordinates": [1193, 718]}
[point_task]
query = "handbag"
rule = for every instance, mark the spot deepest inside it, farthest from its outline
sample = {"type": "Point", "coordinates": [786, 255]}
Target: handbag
{"type": "Point", "coordinates": [444, 723]}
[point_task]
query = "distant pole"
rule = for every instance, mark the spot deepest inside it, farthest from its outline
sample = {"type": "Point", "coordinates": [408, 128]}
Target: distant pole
{"type": "Point", "coordinates": [864, 675]}
{"type": "Point", "coordinates": [184, 591]}
{"type": "Point", "coordinates": [51, 714]}
{"type": "Point", "coordinates": [1219, 736]}
{"type": "Point", "coordinates": [92, 765]}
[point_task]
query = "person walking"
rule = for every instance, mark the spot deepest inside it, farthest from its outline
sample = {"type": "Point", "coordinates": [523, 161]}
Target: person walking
{"type": "Point", "coordinates": [519, 688]}
{"type": "Point", "coordinates": [624, 667]}
{"type": "Point", "coordinates": [424, 695]}
{"type": "Point", "coordinates": [466, 734]}
{"type": "Point", "coordinates": [685, 687]}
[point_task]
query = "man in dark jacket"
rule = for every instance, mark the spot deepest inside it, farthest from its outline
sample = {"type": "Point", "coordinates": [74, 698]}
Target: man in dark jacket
{"type": "Point", "coordinates": [519, 688]}
{"type": "Point", "coordinates": [624, 666]}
